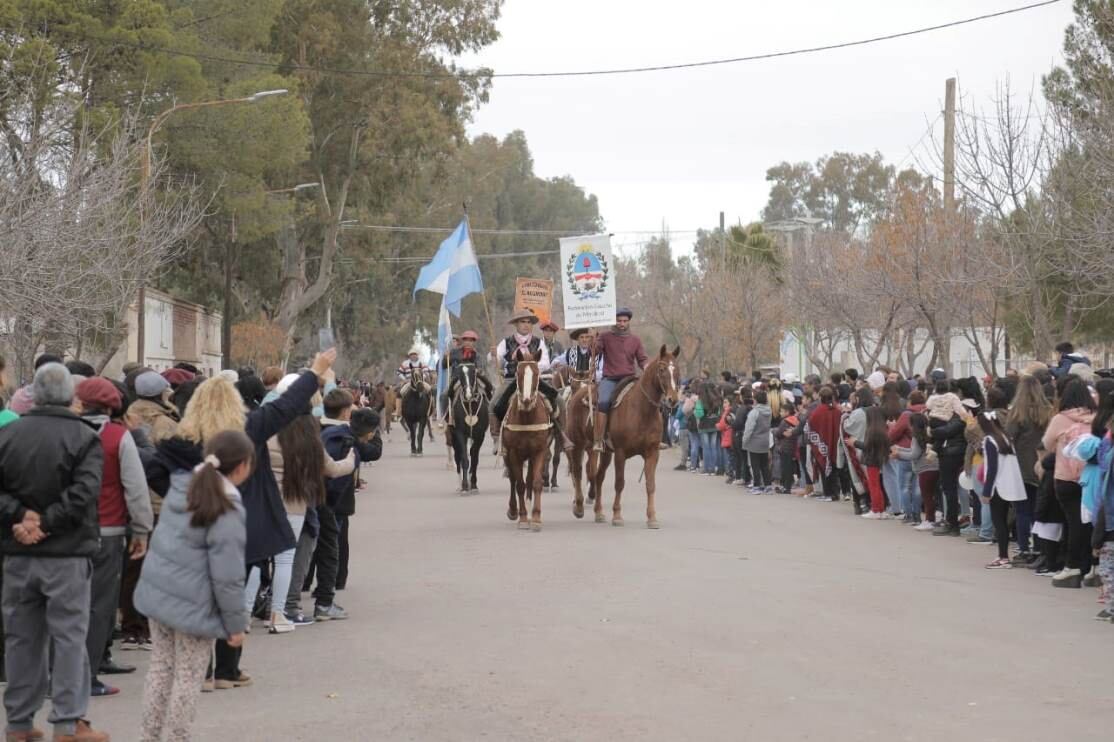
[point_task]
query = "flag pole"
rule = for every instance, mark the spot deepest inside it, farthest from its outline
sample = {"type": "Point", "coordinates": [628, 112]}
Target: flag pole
{"type": "Point", "coordinates": [483, 294]}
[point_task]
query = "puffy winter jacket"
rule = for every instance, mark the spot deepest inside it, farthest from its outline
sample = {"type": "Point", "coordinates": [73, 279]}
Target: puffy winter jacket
{"type": "Point", "coordinates": [193, 578]}
{"type": "Point", "coordinates": [948, 437]}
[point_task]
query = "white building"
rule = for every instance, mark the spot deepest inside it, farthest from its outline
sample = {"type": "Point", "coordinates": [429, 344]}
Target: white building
{"type": "Point", "coordinates": [176, 331]}
{"type": "Point", "coordinates": [964, 357]}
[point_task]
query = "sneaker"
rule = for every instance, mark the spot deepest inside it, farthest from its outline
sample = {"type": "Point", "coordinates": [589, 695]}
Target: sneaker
{"type": "Point", "coordinates": [329, 613]}
{"type": "Point", "coordinates": [945, 530]}
{"type": "Point", "coordinates": [1045, 571]}
{"type": "Point", "coordinates": [679, 467]}
{"type": "Point", "coordinates": [885, 516]}
{"type": "Point", "coordinates": [243, 681]}
{"type": "Point", "coordinates": [299, 619]}
{"type": "Point", "coordinates": [924, 525]}
{"type": "Point", "coordinates": [207, 686]}
{"type": "Point", "coordinates": [131, 642]}
{"type": "Point", "coordinates": [977, 539]}
{"type": "Point", "coordinates": [280, 624]}
{"type": "Point", "coordinates": [729, 480]}
{"type": "Point", "coordinates": [27, 735]}
{"type": "Point", "coordinates": [870, 516]}
{"type": "Point", "coordinates": [100, 690]}
{"type": "Point", "coordinates": [1000, 564]}
{"type": "Point", "coordinates": [1102, 615]}
{"type": "Point", "coordinates": [82, 733]}
{"type": "Point", "coordinates": [1021, 558]}
{"type": "Point", "coordinates": [1092, 579]}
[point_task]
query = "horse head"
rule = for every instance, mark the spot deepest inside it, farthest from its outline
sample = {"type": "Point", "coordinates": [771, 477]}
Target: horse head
{"type": "Point", "coordinates": [528, 378]}
{"type": "Point", "coordinates": [663, 373]}
{"type": "Point", "coordinates": [417, 380]}
{"type": "Point", "coordinates": [466, 377]}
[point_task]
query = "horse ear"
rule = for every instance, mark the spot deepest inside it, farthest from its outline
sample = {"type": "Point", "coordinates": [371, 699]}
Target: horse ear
{"type": "Point", "coordinates": [663, 351]}
{"type": "Point", "coordinates": [677, 352]}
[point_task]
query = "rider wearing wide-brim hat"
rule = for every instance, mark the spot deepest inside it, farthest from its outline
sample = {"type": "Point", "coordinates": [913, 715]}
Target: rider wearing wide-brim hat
{"type": "Point", "coordinates": [520, 344]}
{"type": "Point", "coordinates": [579, 356]}
{"type": "Point", "coordinates": [623, 356]}
{"type": "Point", "coordinates": [467, 353]}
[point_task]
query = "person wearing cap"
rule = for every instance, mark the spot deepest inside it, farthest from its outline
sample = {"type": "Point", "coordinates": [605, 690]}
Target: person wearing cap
{"type": "Point", "coordinates": [516, 346]}
{"type": "Point", "coordinates": [124, 505]}
{"type": "Point", "coordinates": [623, 356]}
{"type": "Point", "coordinates": [549, 337]}
{"type": "Point", "coordinates": [411, 364]}
{"type": "Point", "coordinates": [51, 465]}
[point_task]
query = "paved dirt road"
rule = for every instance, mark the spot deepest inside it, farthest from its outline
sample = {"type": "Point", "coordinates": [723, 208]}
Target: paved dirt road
{"type": "Point", "coordinates": [744, 618]}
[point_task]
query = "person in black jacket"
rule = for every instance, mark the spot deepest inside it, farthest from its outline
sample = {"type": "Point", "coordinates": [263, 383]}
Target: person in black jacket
{"type": "Point", "coordinates": [340, 434]}
{"type": "Point", "coordinates": [51, 464]}
{"type": "Point", "coordinates": [365, 426]}
{"type": "Point", "coordinates": [950, 443]}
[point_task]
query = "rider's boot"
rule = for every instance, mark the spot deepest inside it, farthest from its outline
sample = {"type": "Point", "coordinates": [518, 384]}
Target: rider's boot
{"type": "Point", "coordinates": [599, 430]}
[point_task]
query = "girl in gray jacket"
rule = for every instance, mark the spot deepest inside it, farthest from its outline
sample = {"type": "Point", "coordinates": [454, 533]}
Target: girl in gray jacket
{"type": "Point", "coordinates": [191, 587]}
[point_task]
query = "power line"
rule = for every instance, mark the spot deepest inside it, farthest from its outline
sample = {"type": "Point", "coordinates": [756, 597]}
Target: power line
{"type": "Point", "coordinates": [583, 73]}
{"type": "Point", "coordinates": [521, 232]}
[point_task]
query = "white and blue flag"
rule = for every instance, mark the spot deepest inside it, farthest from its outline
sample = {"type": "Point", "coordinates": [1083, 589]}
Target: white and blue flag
{"type": "Point", "coordinates": [444, 347]}
{"type": "Point", "coordinates": [454, 271]}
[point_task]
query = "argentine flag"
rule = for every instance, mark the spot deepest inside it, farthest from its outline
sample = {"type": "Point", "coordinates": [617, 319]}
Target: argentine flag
{"type": "Point", "coordinates": [453, 271]}
{"type": "Point", "coordinates": [444, 347]}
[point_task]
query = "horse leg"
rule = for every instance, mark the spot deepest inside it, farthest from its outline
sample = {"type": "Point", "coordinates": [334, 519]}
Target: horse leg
{"type": "Point", "coordinates": [518, 480]}
{"type": "Point", "coordinates": [477, 443]}
{"type": "Point", "coordinates": [512, 508]}
{"type": "Point", "coordinates": [556, 460]}
{"type": "Point", "coordinates": [651, 464]}
{"type": "Point", "coordinates": [595, 485]}
{"type": "Point", "coordinates": [421, 436]}
{"type": "Point", "coordinates": [576, 457]}
{"type": "Point", "coordinates": [620, 482]}
{"type": "Point", "coordinates": [413, 446]}
{"type": "Point", "coordinates": [537, 464]}
{"type": "Point", "coordinates": [602, 461]}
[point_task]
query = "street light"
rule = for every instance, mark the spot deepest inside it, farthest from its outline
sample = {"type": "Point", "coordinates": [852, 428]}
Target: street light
{"type": "Point", "coordinates": [144, 182]}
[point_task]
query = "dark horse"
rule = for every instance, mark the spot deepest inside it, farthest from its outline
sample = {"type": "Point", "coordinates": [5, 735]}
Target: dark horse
{"type": "Point", "coordinates": [416, 402]}
{"type": "Point", "coordinates": [635, 430]}
{"type": "Point", "coordinates": [469, 395]}
{"type": "Point", "coordinates": [526, 434]}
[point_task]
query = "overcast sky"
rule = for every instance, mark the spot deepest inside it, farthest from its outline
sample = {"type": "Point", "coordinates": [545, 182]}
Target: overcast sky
{"type": "Point", "coordinates": [678, 147]}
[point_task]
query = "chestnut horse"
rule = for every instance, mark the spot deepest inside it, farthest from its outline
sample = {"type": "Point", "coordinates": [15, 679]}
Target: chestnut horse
{"type": "Point", "coordinates": [527, 428]}
{"type": "Point", "coordinates": [578, 419]}
{"type": "Point", "coordinates": [634, 428]}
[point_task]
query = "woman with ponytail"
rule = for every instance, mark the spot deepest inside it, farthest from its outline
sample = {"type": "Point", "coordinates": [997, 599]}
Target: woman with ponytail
{"type": "Point", "coordinates": [191, 587]}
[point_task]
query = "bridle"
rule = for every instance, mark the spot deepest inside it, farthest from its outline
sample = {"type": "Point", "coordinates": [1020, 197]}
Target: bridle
{"type": "Point", "coordinates": [417, 381]}
{"type": "Point", "coordinates": [664, 381]}
{"type": "Point", "coordinates": [527, 376]}
{"type": "Point", "coordinates": [469, 394]}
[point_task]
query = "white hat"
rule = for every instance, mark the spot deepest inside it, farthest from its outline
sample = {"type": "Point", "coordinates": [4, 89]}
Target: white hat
{"type": "Point", "coordinates": [285, 382]}
{"type": "Point", "coordinates": [415, 351]}
{"type": "Point", "coordinates": [790, 379]}
{"type": "Point", "coordinates": [229, 375]}
{"type": "Point", "coordinates": [876, 380]}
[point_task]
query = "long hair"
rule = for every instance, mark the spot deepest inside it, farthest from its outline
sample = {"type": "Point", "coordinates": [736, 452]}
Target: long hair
{"type": "Point", "coordinates": [988, 422]}
{"type": "Point", "coordinates": [876, 442]}
{"type": "Point", "coordinates": [1030, 406]}
{"type": "Point", "coordinates": [205, 498]}
{"type": "Point", "coordinates": [1076, 395]}
{"type": "Point", "coordinates": [918, 423]}
{"type": "Point", "coordinates": [775, 399]}
{"type": "Point", "coordinates": [1101, 423]}
{"type": "Point", "coordinates": [303, 461]}
{"type": "Point", "coordinates": [215, 407]}
{"type": "Point", "coordinates": [891, 401]}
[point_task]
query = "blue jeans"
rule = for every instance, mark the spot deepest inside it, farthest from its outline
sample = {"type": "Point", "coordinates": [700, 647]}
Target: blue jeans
{"type": "Point", "coordinates": [694, 450]}
{"type": "Point", "coordinates": [709, 441]}
{"type": "Point", "coordinates": [901, 486]}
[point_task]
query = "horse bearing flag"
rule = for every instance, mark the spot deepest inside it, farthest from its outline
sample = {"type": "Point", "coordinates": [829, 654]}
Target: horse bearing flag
{"type": "Point", "coordinates": [535, 295]}
{"type": "Point", "coordinates": [588, 281]}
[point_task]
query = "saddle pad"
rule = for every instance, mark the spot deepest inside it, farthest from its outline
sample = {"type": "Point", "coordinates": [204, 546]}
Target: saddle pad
{"type": "Point", "coordinates": [624, 389]}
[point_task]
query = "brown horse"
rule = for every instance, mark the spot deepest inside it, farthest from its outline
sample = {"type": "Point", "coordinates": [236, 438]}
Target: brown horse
{"type": "Point", "coordinates": [635, 430]}
{"type": "Point", "coordinates": [578, 419]}
{"type": "Point", "coordinates": [526, 434]}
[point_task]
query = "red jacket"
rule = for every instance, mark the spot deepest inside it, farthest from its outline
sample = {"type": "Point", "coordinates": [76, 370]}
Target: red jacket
{"type": "Point", "coordinates": [727, 436]}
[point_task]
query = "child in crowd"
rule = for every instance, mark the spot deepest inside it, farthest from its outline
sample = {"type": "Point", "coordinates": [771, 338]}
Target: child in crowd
{"type": "Point", "coordinates": [191, 587]}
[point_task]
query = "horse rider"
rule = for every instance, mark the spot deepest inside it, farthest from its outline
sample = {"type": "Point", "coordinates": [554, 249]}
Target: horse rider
{"type": "Point", "coordinates": [549, 337]}
{"type": "Point", "coordinates": [579, 356]}
{"type": "Point", "coordinates": [410, 365]}
{"type": "Point", "coordinates": [466, 353]}
{"type": "Point", "coordinates": [507, 354]}
{"type": "Point", "coordinates": [623, 356]}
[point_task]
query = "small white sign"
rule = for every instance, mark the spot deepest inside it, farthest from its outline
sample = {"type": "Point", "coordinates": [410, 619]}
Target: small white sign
{"type": "Point", "coordinates": [588, 281]}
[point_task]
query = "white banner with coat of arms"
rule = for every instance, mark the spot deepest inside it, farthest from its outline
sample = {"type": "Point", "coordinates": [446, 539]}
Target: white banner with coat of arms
{"type": "Point", "coordinates": [588, 281]}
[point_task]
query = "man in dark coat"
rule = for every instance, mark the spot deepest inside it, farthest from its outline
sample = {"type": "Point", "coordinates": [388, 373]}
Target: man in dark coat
{"type": "Point", "coordinates": [51, 463]}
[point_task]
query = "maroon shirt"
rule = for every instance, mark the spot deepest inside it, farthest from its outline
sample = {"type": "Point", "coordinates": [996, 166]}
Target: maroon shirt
{"type": "Point", "coordinates": [620, 352]}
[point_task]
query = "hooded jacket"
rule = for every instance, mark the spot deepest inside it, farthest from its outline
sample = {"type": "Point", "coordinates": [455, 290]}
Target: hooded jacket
{"type": "Point", "coordinates": [339, 440]}
{"type": "Point", "coordinates": [1062, 429]}
{"type": "Point", "coordinates": [756, 435]}
{"type": "Point", "coordinates": [51, 462]}
{"type": "Point", "coordinates": [193, 578]}
{"type": "Point", "coordinates": [948, 436]}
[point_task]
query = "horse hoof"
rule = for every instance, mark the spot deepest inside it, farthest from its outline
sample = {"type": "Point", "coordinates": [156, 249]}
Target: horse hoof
{"type": "Point", "coordinates": [578, 510]}
{"type": "Point", "coordinates": [536, 526]}
{"type": "Point", "coordinates": [524, 525]}
{"type": "Point", "coordinates": [511, 515]}
{"type": "Point", "coordinates": [600, 518]}
{"type": "Point", "coordinates": [653, 525]}
{"type": "Point", "coordinates": [617, 522]}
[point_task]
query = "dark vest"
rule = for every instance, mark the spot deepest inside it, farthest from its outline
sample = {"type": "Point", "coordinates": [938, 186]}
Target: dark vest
{"type": "Point", "coordinates": [581, 359]}
{"type": "Point", "coordinates": [510, 358]}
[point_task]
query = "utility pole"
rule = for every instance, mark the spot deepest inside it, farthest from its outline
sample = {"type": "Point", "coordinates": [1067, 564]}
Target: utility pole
{"type": "Point", "coordinates": [226, 319]}
{"type": "Point", "coordinates": [722, 244]}
{"type": "Point", "coordinates": [949, 145]}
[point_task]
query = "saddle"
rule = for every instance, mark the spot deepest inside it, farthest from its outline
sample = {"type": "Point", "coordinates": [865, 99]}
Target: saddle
{"type": "Point", "coordinates": [622, 390]}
